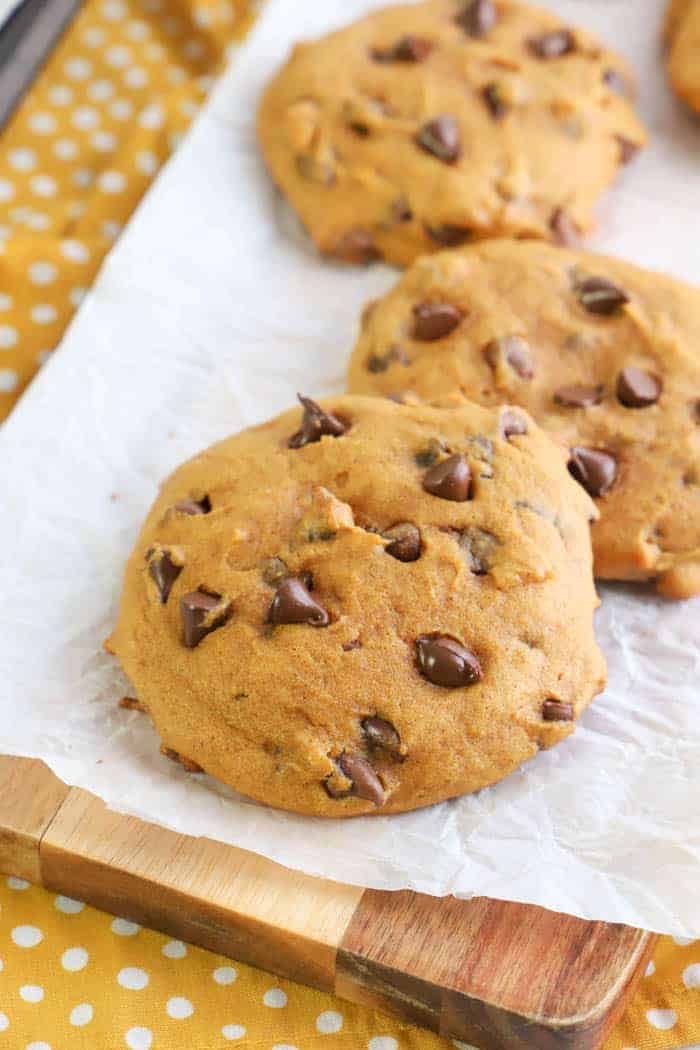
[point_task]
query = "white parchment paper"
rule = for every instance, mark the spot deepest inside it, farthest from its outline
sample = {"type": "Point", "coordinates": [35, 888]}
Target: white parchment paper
{"type": "Point", "coordinates": [210, 313]}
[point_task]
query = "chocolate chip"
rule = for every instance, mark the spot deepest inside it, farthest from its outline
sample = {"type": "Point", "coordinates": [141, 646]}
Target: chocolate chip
{"type": "Point", "coordinates": [405, 541]}
{"type": "Point", "coordinates": [365, 782]}
{"type": "Point", "coordinates": [637, 388]}
{"type": "Point", "coordinates": [315, 424]}
{"type": "Point", "coordinates": [553, 45]}
{"type": "Point", "coordinates": [564, 229]}
{"type": "Point", "coordinates": [293, 603]}
{"type": "Point", "coordinates": [401, 210]}
{"type": "Point", "coordinates": [493, 97]}
{"type": "Point", "coordinates": [478, 18]}
{"type": "Point", "coordinates": [408, 49]}
{"type": "Point", "coordinates": [354, 644]}
{"type": "Point", "coordinates": [511, 424]}
{"type": "Point", "coordinates": [594, 469]}
{"type": "Point", "coordinates": [321, 170]}
{"type": "Point", "coordinates": [695, 410]}
{"type": "Point", "coordinates": [445, 661]}
{"type": "Point", "coordinates": [515, 351]}
{"type": "Point", "coordinates": [449, 235]}
{"type": "Point", "coordinates": [193, 506]}
{"type": "Point", "coordinates": [449, 480]}
{"type": "Point", "coordinates": [480, 447]}
{"type": "Point", "coordinates": [202, 612]}
{"type": "Point", "coordinates": [479, 547]}
{"type": "Point", "coordinates": [578, 396]}
{"type": "Point", "coordinates": [556, 711]}
{"type": "Point", "coordinates": [434, 321]}
{"type": "Point", "coordinates": [164, 570]}
{"type": "Point", "coordinates": [382, 736]}
{"type": "Point", "coordinates": [377, 363]}
{"type": "Point", "coordinates": [274, 570]}
{"type": "Point", "coordinates": [357, 246]}
{"type": "Point", "coordinates": [600, 296]}
{"type": "Point", "coordinates": [628, 149]}
{"type": "Point", "coordinates": [442, 138]}
{"type": "Point", "coordinates": [431, 453]}
{"type": "Point", "coordinates": [615, 81]}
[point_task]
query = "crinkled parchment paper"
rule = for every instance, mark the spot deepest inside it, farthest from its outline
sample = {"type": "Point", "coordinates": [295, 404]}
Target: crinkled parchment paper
{"type": "Point", "coordinates": [210, 313]}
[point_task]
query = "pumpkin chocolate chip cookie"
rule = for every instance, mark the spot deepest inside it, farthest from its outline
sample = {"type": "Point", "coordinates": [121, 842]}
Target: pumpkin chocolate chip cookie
{"type": "Point", "coordinates": [605, 356]}
{"type": "Point", "coordinates": [364, 607]}
{"type": "Point", "coordinates": [683, 39]}
{"type": "Point", "coordinates": [427, 125]}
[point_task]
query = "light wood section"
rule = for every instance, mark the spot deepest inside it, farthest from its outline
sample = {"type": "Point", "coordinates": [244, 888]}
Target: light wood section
{"type": "Point", "coordinates": [30, 795]}
{"type": "Point", "coordinates": [225, 899]}
{"type": "Point", "coordinates": [500, 976]}
{"type": "Point", "coordinates": [496, 974]}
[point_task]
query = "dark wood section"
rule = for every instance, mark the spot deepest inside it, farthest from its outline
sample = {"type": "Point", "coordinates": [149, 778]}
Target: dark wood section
{"type": "Point", "coordinates": [495, 974]}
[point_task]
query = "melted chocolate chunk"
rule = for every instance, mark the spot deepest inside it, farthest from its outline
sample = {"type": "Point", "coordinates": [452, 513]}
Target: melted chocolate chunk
{"type": "Point", "coordinates": [401, 210]}
{"type": "Point", "coordinates": [556, 44]}
{"type": "Point", "coordinates": [600, 296]}
{"type": "Point", "coordinates": [495, 102]}
{"type": "Point", "coordinates": [515, 351]}
{"type": "Point", "coordinates": [294, 603]}
{"type": "Point", "coordinates": [377, 363]}
{"type": "Point", "coordinates": [408, 49]}
{"type": "Point", "coordinates": [405, 541]}
{"type": "Point", "coordinates": [358, 246]}
{"type": "Point", "coordinates": [441, 137]}
{"type": "Point", "coordinates": [364, 780]}
{"type": "Point", "coordinates": [382, 736]}
{"type": "Point", "coordinates": [449, 235]}
{"type": "Point", "coordinates": [429, 455]}
{"type": "Point", "coordinates": [478, 18]}
{"type": "Point", "coordinates": [193, 506]}
{"type": "Point", "coordinates": [557, 711]}
{"type": "Point", "coordinates": [432, 321]}
{"type": "Point", "coordinates": [637, 388]}
{"type": "Point", "coordinates": [450, 480]}
{"type": "Point", "coordinates": [628, 149]}
{"type": "Point", "coordinates": [564, 229]}
{"type": "Point", "coordinates": [164, 571]}
{"type": "Point", "coordinates": [202, 612]}
{"type": "Point", "coordinates": [594, 469]}
{"type": "Point", "coordinates": [445, 661]}
{"type": "Point", "coordinates": [274, 570]}
{"type": "Point", "coordinates": [578, 395]}
{"type": "Point", "coordinates": [479, 547]}
{"type": "Point", "coordinates": [315, 424]}
{"type": "Point", "coordinates": [512, 424]}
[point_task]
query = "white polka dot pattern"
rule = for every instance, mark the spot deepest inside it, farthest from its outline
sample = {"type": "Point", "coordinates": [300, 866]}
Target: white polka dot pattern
{"type": "Point", "coordinates": [74, 959]}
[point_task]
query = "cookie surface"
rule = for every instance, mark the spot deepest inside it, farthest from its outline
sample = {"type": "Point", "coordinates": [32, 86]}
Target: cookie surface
{"type": "Point", "coordinates": [683, 39]}
{"type": "Point", "coordinates": [427, 125]}
{"type": "Point", "coordinates": [364, 608]}
{"type": "Point", "coordinates": [604, 355]}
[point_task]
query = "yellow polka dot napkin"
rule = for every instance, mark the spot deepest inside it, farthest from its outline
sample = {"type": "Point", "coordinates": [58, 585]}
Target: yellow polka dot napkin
{"type": "Point", "coordinates": [73, 978]}
{"type": "Point", "coordinates": [75, 160]}
{"type": "Point", "coordinates": [81, 150]}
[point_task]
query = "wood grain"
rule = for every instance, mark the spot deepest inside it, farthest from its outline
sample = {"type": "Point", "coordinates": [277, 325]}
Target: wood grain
{"type": "Point", "coordinates": [30, 796]}
{"type": "Point", "coordinates": [225, 899]}
{"type": "Point", "coordinates": [499, 976]}
{"type": "Point", "coordinates": [491, 973]}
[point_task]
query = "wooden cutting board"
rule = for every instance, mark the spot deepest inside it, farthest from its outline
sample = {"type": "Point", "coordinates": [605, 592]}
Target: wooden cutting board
{"type": "Point", "coordinates": [492, 974]}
